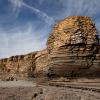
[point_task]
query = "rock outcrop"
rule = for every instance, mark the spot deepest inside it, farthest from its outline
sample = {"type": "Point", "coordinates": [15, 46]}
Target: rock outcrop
{"type": "Point", "coordinates": [73, 46]}
{"type": "Point", "coordinates": [17, 67]}
{"type": "Point", "coordinates": [73, 50]}
{"type": "Point", "coordinates": [41, 63]}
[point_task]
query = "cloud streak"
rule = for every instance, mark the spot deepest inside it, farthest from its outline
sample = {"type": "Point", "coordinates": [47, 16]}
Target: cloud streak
{"type": "Point", "coordinates": [20, 42]}
{"type": "Point", "coordinates": [81, 7]}
{"type": "Point", "coordinates": [42, 15]}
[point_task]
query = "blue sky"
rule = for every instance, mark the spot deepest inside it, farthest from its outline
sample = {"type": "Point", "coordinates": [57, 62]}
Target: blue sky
{"type": "Point", "coordinates": [26, 24]}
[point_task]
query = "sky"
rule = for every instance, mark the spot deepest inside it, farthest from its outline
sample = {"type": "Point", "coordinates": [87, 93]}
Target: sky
{"type": "Point", "coordinates": [26, 24]}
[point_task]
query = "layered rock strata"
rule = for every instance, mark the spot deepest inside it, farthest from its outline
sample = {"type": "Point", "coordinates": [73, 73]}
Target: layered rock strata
{"type": "Point", "coordinates": [41, 63]}
{"type": "Point", "coordinates": [73, 47]}
{"type": "Point", "coordinates": [17, 67]}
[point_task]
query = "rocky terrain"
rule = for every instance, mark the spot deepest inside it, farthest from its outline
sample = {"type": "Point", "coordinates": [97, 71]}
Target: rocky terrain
{"type": "Point", "coordinates": [41, 92]}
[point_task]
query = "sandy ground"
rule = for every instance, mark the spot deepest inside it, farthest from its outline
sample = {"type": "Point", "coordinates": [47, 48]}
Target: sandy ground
{"type": "Point", "coordinates": [28, 90]}
{"type": "Point", "coordinates": [17, 83]}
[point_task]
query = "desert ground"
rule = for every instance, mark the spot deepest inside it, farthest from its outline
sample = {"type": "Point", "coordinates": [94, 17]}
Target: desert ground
{"type": "Point", "coordinates": [52, 90]}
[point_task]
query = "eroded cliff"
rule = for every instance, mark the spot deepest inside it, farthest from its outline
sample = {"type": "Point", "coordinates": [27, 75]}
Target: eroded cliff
{"type": "Point", "coordinates": [73, 47]}
{"type": "Point", "coordinates": [17, 67]}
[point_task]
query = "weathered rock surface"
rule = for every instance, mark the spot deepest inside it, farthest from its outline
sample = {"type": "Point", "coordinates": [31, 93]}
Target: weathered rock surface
{"type": "Point", "coordinates": [72, 50]}
{"type": "Point", "coordinates": [41, 63]}
{"type": "Point", "coordinates": [17, 67]}
{"type": "Point", "coordinates": [73, 47]}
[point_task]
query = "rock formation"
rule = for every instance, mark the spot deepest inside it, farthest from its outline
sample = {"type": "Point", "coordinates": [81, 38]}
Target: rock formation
{"type": "Point", "coordinates": [41, 63]}
{"type": "Point", "coordinates": [17, 67]}
{"type": "Point", "coordinates": [72, 50]}
{"type": "Point", "coordinates": [73, 46]}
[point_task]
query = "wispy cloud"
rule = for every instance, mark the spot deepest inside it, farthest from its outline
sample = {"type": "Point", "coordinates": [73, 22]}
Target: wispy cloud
{"type": "Point", "coordinates": [16, 3]}
{"type": "Point", "coordinates": [81, 7]}
{"type": "Point", "coordinates": [42, 15]}
{"type": "Point", "coordinates": [20, 42]}
{"type": "Point", "coordinates": [41, 1]}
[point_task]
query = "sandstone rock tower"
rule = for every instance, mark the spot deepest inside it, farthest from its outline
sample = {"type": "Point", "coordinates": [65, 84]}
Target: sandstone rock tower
{"type": "Point", "coordinates": [73, 46]}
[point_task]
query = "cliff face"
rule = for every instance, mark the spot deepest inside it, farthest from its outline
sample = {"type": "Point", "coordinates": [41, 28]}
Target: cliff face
{"type": "Point", "coordinates": [17, 67]}
{"type": "Point", "coordinates": [41, 63]}
{"type": "Point", "coordinates": [73, 46]}
{"type": "Point", "coordinates": [72, 50]}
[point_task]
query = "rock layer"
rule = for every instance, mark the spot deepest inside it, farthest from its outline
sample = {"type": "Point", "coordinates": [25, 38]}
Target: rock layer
{"type": "Point", "coordinates": [73, 45]}
{"type": "Point", "coordinates": [41, 63]}
{"type": "Point", "coordinates": [17, 67]}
